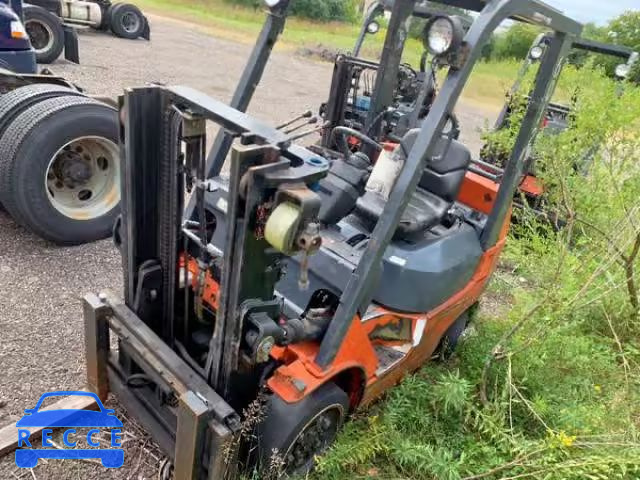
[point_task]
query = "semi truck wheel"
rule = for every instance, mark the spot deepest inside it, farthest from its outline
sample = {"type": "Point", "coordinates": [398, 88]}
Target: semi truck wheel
{"type": "Point", "coordinates": [127, 21]}
{"type": "Point", "coordinates": [59, 169]}
{"type": "Point", "coordinates": [296, 433]}
{"type": "Point", "coordinates": [45, 32]}
{"type": "Point", "coordinates": [15, 101]}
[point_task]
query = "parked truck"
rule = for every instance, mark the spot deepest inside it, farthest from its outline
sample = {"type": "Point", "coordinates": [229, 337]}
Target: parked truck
{"type": "Point", "coordinates": [48, 21]}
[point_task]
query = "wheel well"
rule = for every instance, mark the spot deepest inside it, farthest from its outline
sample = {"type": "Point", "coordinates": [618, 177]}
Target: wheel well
{"type": "Point", "coordinates": [352, 382]}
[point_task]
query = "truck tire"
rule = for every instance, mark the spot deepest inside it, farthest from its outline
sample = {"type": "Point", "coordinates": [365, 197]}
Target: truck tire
{"type": "Point", "coordinates": [14, 102]}
{"type": "Point", "coordinates": [59, 169]}
{"type": "Point", "coordinates": [127, 21]}
{"type": "Point", "coordinates": [319, 416]}
{"type": "Point", "coordinates": [45, 32]}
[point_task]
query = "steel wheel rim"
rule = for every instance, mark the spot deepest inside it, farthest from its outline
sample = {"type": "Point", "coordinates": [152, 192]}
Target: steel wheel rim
{"type": "Point", "coordinates": [82, 178]}
{"type": "Point", "coordinates": [37, 31]}
{"type": "Point", "coordinates": [314, 439]}
{"type": "Point", "coordinates": [130, 22]}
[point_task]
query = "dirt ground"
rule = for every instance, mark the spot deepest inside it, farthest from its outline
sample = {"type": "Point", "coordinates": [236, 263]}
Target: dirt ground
{"type": "Point", "coordinates": [41, 286]}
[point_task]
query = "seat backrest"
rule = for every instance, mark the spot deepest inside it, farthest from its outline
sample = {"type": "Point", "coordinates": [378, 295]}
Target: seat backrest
{"type": "Point", "coordinates": [445, 171]}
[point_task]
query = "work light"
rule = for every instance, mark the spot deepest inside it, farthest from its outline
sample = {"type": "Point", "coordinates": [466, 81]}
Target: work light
{"type": "Point", "coordinates": [373, 27]}
{"type": "Point", "coordinates": [443, 35]}
{"type": "Point", "coordinates": [536, 52]}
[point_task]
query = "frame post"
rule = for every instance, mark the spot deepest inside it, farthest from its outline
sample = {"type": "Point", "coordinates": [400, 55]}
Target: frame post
{"type": "Point", "coordinates": [249, 80]}
{"type": "Point", "coordinates": [546, 80]}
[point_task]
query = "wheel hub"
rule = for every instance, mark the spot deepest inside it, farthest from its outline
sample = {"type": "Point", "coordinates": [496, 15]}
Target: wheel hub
{"type": "Point", "coordinates": [313, 440]}
{"type": "Point", "coordinates": [75, 170]}
{"type": "Point", "coordinates": [40, 35]}
{"type": "Point", "coordinates": [82, 180]}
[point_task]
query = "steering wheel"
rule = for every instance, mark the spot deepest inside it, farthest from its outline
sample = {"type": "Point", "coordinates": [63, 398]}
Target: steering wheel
{"type": "Point", "coordinates": [339, 137]}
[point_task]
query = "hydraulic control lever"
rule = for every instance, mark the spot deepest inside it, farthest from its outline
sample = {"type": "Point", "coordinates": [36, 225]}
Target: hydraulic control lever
{"type": "Point", "coordinates": [307, 114]}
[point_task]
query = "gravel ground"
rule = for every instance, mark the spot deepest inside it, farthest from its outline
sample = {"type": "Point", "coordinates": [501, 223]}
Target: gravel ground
{"type": "Point", "coordinates": [41, 286]}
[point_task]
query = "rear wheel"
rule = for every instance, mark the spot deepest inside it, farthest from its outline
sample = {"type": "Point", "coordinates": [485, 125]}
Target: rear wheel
{"type": "Point", "coordinates": [59, 169]}
{"type": "Point", "coordinates": [127, 21]}
{"type": "Point", "coordinates": [45, 32]}
{"type": "Point", "coordinates": [451, 338]}
{"type": "Point", "coordinates": [293, 434]}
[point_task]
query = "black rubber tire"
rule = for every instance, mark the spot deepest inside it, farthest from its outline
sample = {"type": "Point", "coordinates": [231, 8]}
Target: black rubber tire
{"type": "Point", "coordinates": [451, 338]}
{"type": "Point", "coordinates": [284, 422]}
{"type": "Point", "coordinates": [53, 28]}
{"type": "Point", "coordinates": [118, 13]}
{"type": "Point", "coordinates": [26, 147]}
{"type": "Point", "coordinates": [14, 102]}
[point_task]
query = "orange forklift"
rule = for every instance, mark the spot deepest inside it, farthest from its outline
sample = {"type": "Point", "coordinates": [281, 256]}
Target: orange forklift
{"type": "Point", "coordinates": [262, 311]}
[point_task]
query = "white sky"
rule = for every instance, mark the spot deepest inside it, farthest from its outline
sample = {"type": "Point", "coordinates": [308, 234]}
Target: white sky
{"type": "Point", "coordinates": [598, 11]}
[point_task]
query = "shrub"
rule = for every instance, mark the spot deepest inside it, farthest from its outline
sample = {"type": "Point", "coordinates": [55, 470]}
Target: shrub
{"type": "Point", "coordinates": [321, 10]}
{"type": "Point", "coordinates": [515, 42]}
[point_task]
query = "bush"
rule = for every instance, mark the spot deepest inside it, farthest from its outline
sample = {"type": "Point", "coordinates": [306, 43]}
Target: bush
{"type": "Point", "coordinates": [322, 10]}
{"type": "Point", "coordinates": [515, 42]}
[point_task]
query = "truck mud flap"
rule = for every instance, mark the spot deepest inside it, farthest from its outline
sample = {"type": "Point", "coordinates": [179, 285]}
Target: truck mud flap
{"type": "Point", "coordinates": [146, 33]}
{"type": "Point", "coordinates": [71, 49]}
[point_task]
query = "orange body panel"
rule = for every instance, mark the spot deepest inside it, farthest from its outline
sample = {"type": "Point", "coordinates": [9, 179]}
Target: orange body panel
{"type": "Point", "coordinates": [532, 186]}
{"type": "Point", "coordinates": [478, 192]}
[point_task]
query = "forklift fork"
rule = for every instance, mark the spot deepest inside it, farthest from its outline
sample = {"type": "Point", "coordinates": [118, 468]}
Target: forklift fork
{"type": "Point", "coordinates": [205, 426]}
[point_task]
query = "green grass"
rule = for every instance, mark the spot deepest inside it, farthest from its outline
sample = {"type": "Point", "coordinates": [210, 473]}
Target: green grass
{"type": "Point", "coordinates": [486, 88]}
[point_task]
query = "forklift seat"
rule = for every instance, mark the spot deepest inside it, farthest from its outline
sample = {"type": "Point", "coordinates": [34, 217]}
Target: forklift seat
{"type": "Point", "coordinates": [437, 191]}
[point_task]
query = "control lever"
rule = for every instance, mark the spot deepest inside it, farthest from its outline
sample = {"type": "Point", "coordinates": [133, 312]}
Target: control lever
{"type": "Point", "coordinates": [298, 136]}
{"type": "Point", "coordinates": [306, 114]}
{"type": "Point", "coordinates": [311, 121]}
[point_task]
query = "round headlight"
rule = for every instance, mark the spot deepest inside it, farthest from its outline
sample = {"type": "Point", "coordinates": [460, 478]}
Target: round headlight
{"type": "Point", "coordinates": [271, 3]}
{"type": "Point", "coordinates": [536, 52]}
{"type": "Point", "coordinates": [373, 27]}
{"type": "Point", "coordinates": [623, 70]}
{"type": "Point", "coordinates": [443, 35]}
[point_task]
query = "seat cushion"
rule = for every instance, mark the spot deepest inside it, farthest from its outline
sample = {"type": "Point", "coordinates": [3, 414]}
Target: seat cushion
{"type": "Point", "coordinates": [425, 210]}
{"type": "Point", "coordinates": [437, 190]}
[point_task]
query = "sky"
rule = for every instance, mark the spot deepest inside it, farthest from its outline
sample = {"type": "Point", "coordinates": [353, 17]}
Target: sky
{"type": "Point", "coordinates": [598, 11]}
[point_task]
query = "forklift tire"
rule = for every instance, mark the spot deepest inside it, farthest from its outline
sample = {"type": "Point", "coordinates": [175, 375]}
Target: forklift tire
{"type": "Point", "coordinates": [319, 416]}
{"type": "Point", "coordinates": [59, 169]}
{"type": "Point", "coordinates": [45, 32]}
{"type": "Point", "coordinates": [127, 21]}
{"type": "Point", "coordinates": [451, 337]}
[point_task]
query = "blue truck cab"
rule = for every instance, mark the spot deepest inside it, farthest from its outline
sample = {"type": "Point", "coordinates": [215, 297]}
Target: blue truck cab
{"type": "Point", "coordinates": [16, 52]}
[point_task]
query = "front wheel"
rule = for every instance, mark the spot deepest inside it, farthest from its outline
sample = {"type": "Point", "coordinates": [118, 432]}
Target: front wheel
{"type": "Point", "coordinates": [59, 169]}
{"type": "Point", "coordinates": [292, 435]}
{"type": "Point", "coordinates": [45, 33]}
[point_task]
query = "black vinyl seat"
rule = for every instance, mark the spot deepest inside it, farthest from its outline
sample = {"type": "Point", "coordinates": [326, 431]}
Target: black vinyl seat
{"type": "Point", "coordinates": [437, 191]}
